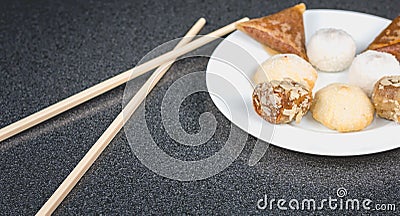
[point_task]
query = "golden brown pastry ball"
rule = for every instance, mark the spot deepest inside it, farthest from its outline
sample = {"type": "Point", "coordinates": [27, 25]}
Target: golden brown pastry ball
{"type": "Point", "coordinates": [386, 98]}
{"type": "Point", "coordinates": [281, 101]}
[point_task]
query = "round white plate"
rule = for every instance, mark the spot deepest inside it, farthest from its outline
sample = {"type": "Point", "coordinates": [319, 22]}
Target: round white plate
{"type": "Point", "coordinates": [235, 60]}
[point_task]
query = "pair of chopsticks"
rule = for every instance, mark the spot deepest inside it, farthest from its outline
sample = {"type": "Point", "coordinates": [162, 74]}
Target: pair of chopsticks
{"type": "Point", "coordinates": [163, 63]}
{"type": "Point", "coordinates": [109, 84]}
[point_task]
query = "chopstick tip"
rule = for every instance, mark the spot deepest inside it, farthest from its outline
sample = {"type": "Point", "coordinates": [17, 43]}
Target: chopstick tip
{"type": "Point", "coordinates": [202, 19]}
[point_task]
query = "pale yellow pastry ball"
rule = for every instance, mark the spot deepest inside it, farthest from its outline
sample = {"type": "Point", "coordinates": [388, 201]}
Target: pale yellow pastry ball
{"type": "Point", "coordinates": [342, 107]}
{"type": "Point", "coordinates": [281, 66]}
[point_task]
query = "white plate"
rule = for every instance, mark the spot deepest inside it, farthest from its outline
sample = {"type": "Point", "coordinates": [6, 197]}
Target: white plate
{"type": "Point", "coordinates": [231, 90]}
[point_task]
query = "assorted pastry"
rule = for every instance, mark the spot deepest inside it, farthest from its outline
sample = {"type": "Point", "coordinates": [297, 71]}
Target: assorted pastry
{"type": "Point", "coordinates": [386, 98]}
{"type": "Point", "coordinates": [282, 31]}
{"type": "Point", "coordinates": [368, 67]}
{"type": "Point", "coordinates": [331, 50]}
{"type": "Point", "coordinates": [285, 81]}
{"type": "Point", "coordinates": [281, 66]}
{"type": "Point", "coordinates": [281, 101]}
{"type": "Point", "coordinates": [342, 107]}
{"type": "Point", "coordinates": [389, 39]}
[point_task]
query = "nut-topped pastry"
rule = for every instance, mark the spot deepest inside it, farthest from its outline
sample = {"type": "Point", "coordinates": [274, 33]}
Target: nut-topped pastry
{"type": "Point", "coordinates": [281, 101]}
{"type": "Point", "coordinates": [282, 31]}
{"type": "Point", "coordinates": [389, 39]}
{"type": "Point", "coordinates": [386, 98]}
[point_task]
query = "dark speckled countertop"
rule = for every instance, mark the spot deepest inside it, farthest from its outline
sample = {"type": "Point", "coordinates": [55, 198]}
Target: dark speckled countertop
{"type": "Point", "coordinates": [50, 50]}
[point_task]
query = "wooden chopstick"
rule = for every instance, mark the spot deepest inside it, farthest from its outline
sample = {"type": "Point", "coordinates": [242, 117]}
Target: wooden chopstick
{"type": "Point", "coordinates": [76, 174]}
{"type": "Point", "coordinates": [109, 84]}
{"type": "Point", "coordinates": [121, 119]}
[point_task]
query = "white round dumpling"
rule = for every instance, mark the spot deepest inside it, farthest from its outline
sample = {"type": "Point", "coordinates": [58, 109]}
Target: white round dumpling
{"type": "Point", "coordinates": [331, 50]}
{"type": "Point", "coordinates": [368, 67]}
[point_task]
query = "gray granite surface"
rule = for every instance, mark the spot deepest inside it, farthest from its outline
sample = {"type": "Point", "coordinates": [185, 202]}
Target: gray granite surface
{"type": "Point", "coordinates": [50, 50]}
